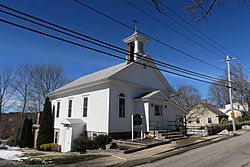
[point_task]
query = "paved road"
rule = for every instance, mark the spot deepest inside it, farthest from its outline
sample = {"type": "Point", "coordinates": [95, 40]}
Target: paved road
{"type": "Point", "coordinates": [4, 163]}
{"type": "Point", "coordinates": [234, 152]}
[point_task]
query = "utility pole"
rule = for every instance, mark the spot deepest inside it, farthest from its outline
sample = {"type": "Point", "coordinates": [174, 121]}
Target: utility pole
{"type": "Point", "coordinates": [228, 59]}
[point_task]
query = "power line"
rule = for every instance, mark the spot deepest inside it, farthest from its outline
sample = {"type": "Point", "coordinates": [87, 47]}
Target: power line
{"type": "Point", "coordinates": [103, 52]}
{"type": "Point", "coordinates": [68, 20]}
{"type": "Point", "coordinates": [172, 19]}
{"type": "Point", "coordinates": [81, 24]}
{"type": "Point", "coordinates": [171, 28]}
{"type": "Point", "coordinates": [183, 19]}
{"type": "Point", "coordinates": [166, 65]}
{"type": "Point", "coordinates": [163, 43]}
{"type": "Point", "coordinates": [204, 34]}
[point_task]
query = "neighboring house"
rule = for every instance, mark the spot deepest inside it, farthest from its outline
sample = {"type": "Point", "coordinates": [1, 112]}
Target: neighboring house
{"type": "Point", "coordinates": [238, 109]}
{"type": "Point", "coordinates": [103, 102]}
{"type": "Point", "coordinates": [204, 114]}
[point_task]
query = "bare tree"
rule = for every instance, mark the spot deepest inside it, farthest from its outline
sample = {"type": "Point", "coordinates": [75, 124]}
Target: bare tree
{"type": "Point", "coordinates": [241, 84]}
{"type": "Point", "coordinates": [241, 88]}
{"type": "Point", "coordinates": [201, 9]}
{"type": "Point", "coordinates": [6, 90]}
{"type": "Point", "coordinates": [198, 9]}
{"type": "Point", "coordinates": [22, 85]}
{"type": "Point", "coordinates": [218, 93]}
{"type": "Point", "coordinates": [187, 97]}
{"type": "Point", "coordinates": [198, 111]}
{"type": "Point", "coordinates": [46, 78]}
{"type": "Point", "coordinates": [28, 87]}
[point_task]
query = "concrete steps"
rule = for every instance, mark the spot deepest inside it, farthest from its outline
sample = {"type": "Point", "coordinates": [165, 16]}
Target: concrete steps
{"type": "Point", "coordinates": [177, 138]}
{"type": "Point", "coordinates": [172, 135]}
{"type": "Point", "coordinates": [129, 143]}
{"type": "Point", "coordinates": [168, 135]}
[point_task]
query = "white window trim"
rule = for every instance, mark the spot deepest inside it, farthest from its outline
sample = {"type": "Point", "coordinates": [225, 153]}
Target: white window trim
{"type": "Point", "coordinates": [56, 107]}
{"type": "Point", "coordinates": [56, 130]}
{"type": "Point", "coordinates": [71, 108]}
{"type": "Point", "coordinates": [161, 109]}
{"type": "Point", "coordinates": [83, 97]}
{"type": "Point", "coordinates": [118, 98]}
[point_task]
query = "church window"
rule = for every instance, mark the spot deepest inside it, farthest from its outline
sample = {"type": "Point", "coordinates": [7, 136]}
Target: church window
{"type": "Point", "coordinates": [121, 105]}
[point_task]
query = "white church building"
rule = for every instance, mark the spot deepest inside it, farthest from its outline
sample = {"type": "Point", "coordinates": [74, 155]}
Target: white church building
{"type": "Point", "coordinates": [103, 102]}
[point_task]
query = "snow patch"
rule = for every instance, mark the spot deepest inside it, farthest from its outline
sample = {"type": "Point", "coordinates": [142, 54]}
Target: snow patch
{"type": "Point", "coordinates": [13, 153]}
{"type": "Point", "coordinates": [245, 127]}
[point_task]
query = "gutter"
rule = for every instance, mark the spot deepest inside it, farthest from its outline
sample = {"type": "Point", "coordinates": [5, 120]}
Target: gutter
{"type": "Point", "coordinates": [78, 87]}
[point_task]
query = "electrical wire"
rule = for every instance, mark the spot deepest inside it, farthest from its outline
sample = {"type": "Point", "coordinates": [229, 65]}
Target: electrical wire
{"type": "Point", "coordinates": [48, 12]}
{"type": "Point", "coordinates": [171, 28]}
{"type": "Point", "coordinates": [108, 47]}
{"type": "Point", "coordinates": [204, 34]}
{"type": "Point", "coordinates": [100, 51]}
{"type": "Point", "coordinates": [176, 22]}
{"type": "Point", "coordinates": [68, 20]}
{"type": "Point", "coordinates": [153, 38]}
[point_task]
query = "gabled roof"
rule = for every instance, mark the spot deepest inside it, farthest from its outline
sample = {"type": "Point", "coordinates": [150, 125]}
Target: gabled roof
{"type": "Point", "coordinates": [94, 77]}
{"type": "Point", "coordinates": [70, 121]}
{"type": "Point", "coordinates": [108, 73]}
{"type": "Point", "coordinates": [135, 36]}
{"type": "Point", "coordinates": [212, 108]}
{"type": "Point", "coordinates": [148, 95]}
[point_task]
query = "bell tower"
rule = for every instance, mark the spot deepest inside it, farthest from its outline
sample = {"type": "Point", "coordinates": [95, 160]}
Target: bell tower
{"type": "Point", "coordinates": [139, 42]}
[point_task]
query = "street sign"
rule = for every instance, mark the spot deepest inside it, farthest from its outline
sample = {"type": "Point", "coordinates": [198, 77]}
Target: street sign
{"type": "Point", "coordinates": [232, 114]}
{"type": "Point", "coordinates": [137, 119]}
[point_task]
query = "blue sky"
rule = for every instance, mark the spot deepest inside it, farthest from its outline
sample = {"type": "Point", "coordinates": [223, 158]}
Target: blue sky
{"type": "Point", "coordinates": [228, 25]}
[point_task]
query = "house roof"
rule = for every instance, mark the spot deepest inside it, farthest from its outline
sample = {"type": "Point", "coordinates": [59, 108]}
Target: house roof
{"type": "Point", "coordinates": [134, 36]}
{"type": "Point", "coordinates": [148, 95]}
{"type": "Point", "coordinates": [94, 77]}
{"type": "Point", "coordinates": [107, 74]}
{"type": "Point", "coordinates": [70, 121]}
{"type": "Point", "coordinates": [213, 109]}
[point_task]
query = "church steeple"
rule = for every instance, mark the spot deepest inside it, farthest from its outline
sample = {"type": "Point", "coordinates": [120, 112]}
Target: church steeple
{"type": "Point", "coordinates": [138, 41]}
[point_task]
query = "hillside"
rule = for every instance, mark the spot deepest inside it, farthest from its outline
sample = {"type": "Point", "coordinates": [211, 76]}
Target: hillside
{"type": "Point", "coordinates": [10, 122]}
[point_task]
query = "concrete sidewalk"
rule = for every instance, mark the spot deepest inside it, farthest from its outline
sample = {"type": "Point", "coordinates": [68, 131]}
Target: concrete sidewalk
{"type": "Point", "coordinates": [118, 158]}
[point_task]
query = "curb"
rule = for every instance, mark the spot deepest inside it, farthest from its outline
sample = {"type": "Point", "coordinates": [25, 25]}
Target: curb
{"type": "Point", "coordinates": [145, 147]}
{"type": "Point", "coordinates": [172, 152]}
